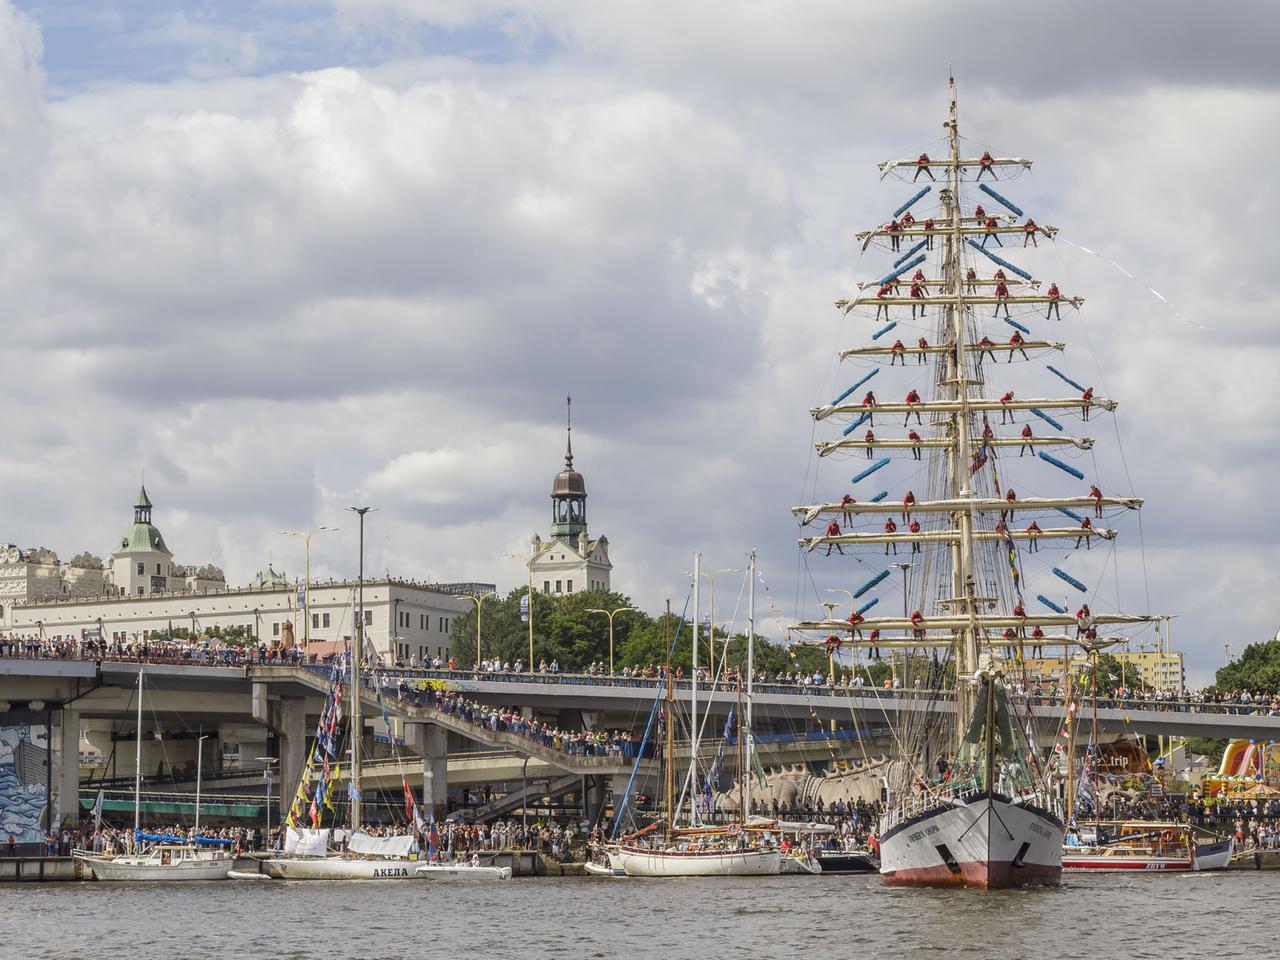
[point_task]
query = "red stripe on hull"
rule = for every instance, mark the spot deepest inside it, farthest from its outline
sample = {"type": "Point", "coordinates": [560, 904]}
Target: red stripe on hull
{"type": "Point", "coordinates": [981, 875]}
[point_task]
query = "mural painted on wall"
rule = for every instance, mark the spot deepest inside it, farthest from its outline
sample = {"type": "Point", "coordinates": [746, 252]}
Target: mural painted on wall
{"type": "Point", "coordinates": [24, 771]}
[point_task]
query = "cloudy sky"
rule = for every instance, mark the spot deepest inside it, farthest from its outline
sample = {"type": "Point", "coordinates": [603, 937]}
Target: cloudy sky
{"type": "Point", "coordinates": [281, 256]}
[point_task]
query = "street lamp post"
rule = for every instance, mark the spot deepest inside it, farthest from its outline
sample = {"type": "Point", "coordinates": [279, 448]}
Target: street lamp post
{"type": "Point", "coordinates": [478, 600]}
{"type": "Point", "coordinates": [306, 590]}
{"type": "Point", "coordinates": [711, 580]}
{"type": "Point", "coordinates": [269, 761]}
{"type": "Point", "coordinates": [610, 614]}
{"type": "Point", "coordinates": [906, 589]}
{"type": "Point", "coordinates": [529, 564]}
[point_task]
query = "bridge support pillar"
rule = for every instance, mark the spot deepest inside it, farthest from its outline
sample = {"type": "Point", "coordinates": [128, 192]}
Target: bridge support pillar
{"type": "Point", "coordinates": [289, 720]}
{"type": "Point", "coordinates": [68, 766]}
{"type": "Point", "coordinates": [593, 798]}
{"type": "Point", "coordinates": [431, 743]}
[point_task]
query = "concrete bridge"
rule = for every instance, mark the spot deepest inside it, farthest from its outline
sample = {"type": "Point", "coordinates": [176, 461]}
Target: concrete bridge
{"type": "Point", "coordinates": [278, 706]}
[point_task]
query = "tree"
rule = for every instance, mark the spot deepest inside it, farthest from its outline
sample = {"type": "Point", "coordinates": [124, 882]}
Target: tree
{"type": "Point", "coordinates": [1112, 675]}
{"type": "Point", "coordinates": [563, 631]}
{"type": "Point", "coordinates": [1257, 670]}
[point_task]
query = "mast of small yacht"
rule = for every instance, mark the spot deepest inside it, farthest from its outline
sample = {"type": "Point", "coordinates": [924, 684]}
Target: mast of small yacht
{"type": "Point", "coordinates": [357, 721]}
{"type": "Point", "coordinates": [670, 747]}
{"type": "Point", "coordinates": [751, 646]}
{"type": "Point", "coordinates": [966, 639]}
{"type": "Point", "coordinates": [137, 765]}
{"type": "Point", "coordinates": [693, 698]}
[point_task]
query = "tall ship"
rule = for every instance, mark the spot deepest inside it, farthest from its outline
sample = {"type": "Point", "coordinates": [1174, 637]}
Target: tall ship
{"type": "Point", "coordinates": [954, 319]}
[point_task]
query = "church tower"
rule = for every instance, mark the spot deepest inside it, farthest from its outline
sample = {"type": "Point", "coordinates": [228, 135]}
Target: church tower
{"type": "Point", "coordinates": [569, 490]}
{"type": "Point", "coordinates": [142, 563]}
{"type": "Point", "coordinates": [570, 562]}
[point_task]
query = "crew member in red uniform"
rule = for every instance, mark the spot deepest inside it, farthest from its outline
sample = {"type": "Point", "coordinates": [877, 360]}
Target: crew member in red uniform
{"type": "Point", "coordinates": [833, 530]}
{"type": "Point", "coordinates": [908, 502]}
{"type": "Point", "coordinates": [1033, 537]}
{"type": "Point", "coordinates": [921, 346]}
{"type": "Point", "coordinates": [1010, 638]}
{"type": "Point", "coordinates": [1016, 343]}
{"type": "Point", "coordinates": [898, 352]}
{"type": "Point", "coordinates": [1055, 302]}
{"type": "Point", "coordinates": [922, 166]}
{"type": "Point", "coordinates": [872, 640]}
{"type": "Point", "coordinates": [895, 235]}
{"type": "Point", "coordinates": [882, 308]}
{"type": "Point", "coordinates": [987, 164]}
{"type": "Point", "coordinates": [1029, 231]}
{"type": "Point", "coordinates": [971, 280]}
{"type": "Point", "coordinates": [1084, 619]}
{"type": "Point", "coordinates": [1010, 498]}
{"type": "Point", "coordinates": [869, 439]}
{"type": "Point", "coordinates": [915, 439]}
{"type": "Point", "coordinates": [979, 213]}
{"type": "Point", "coordinates": [1037, 650]}
{"type": "Point", "coordinates": [1006, 415]}
{"type": "Point", "coordinates": [990, 233]}
{"type": "Point", "coordinates": [890, 527]}
{"type": "Point", "coordinates": [1085, 524]}
{"type": "Point", "coordinates": [845, 502]}
{"type": "Point", "coordinates": [1097, 500]}
{"type": "Point", "coordinates": [856, 618]}
{"type": "Point", "coordinates": [999, 275]}
{"type": "Point", "coordinates": [917, 623]}
{"type": "Point", "coordinates": [928, 233]}
{"type": "Point", "coordinates": [986, 348]}
{"type": "Point", "coordinates": [907, 220]}
{"type": "Point", "coordinates": [1087, 397]}
{"type": "Point", "coordinates": [913, 399]}
{"type": "Point", "coordinates": [1026, 435]}
{"type": "Point", "coordinates": [869, 402]}
{"type": "Point", "coordinates": [917, 293]}
{"type": "Point", "coordinates": [914, 527]}
{"type": "Point", "coordinates": [1002, 298]}
{"type": "Point", "coordinates": [1019, 610]}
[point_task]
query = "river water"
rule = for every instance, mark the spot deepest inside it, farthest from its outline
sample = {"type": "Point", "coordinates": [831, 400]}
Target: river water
{"type": "Point", "coordinates": [1216, 916]}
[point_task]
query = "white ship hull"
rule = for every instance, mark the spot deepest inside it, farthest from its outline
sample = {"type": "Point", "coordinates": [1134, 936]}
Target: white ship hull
{"type": "Point", "coordinates": [146, 868]}
{"type": "Point", "coordinates": [983, 841]}
{"type": "Point", "coordinates": [339, 868]}
{"type": "Point", "coordinates": [639, 862]}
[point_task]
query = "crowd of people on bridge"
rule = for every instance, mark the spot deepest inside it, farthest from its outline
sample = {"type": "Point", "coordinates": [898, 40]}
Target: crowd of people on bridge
{"type": "Point", "coordinates": [578, 743]}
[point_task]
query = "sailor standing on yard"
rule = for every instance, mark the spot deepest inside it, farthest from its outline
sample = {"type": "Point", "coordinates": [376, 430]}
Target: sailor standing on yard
{"type": "Point", "coordinates": [971, 280]}
{"type": "Point", "coordinates": [912, 400]}
{"type": "Point", "coordinates": [890, 527]}
{"type": "Point", "coordinates": [1026, 435]}
{"type": "Point", "coordinates": [921, 346]}
{"type": "Point", "coordinates": [1087, 397]}
{"type": "Point", "coordinates": [922, 166]}
{"type": "Point", "coordinates": [915, 440]}
{"type": "Point", "coordinates": [1029, 231]}
{"type": "Point", "coordinates": [987, 164]}
{"type": "Point", "coordinates": [1002, 300]}
{"type": "Point", "coordinates": [1055, 301]}
{"type": "Point", "coordinates": [1086, 525]}
{"type": "Point", "coordinates": [833, 530]}
{"type": "Point", "coordinates": [917, 293]}
{"type": "Point", "coordinates": [1016, 343]}
{"type": "Point", "coordinates": [990, 233]}
{"type": "Point", "coordinates": [898, 352]}
{"type": "Point", "coordinates": [869, 439]}
{"type": "Point", "coordinates": [882, 308]}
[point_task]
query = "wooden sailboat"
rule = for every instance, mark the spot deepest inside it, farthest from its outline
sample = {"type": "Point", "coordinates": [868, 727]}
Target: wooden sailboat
{"type": "Point", "coordinates": [167, 858]}
{"type": "Point", "coordinates": [692, 851]}
{"type": "Point", "coordinates": [992, 819]}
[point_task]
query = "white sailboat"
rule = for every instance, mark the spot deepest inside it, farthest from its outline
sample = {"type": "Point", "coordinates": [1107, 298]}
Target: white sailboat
{"type": "Point", "coordinates": [168, 859]}
{"type": "Point", "coordinates": [701, 851]}
{"type": "Point", "coordinates": [308, 853]}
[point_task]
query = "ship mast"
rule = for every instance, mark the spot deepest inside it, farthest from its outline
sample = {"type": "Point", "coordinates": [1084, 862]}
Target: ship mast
{"type": "Point", "coordinates": [966, 641]}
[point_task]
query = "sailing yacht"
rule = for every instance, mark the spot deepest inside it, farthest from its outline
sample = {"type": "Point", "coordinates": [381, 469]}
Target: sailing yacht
{"type": "Point", "coordinates": [700, 851]}
{"type": "Point", "coordinates": [975, 806]}
{"type": "Point", "coordinates": [168, 858]}
{"type": "Point", "coordinates": [310, 852]}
